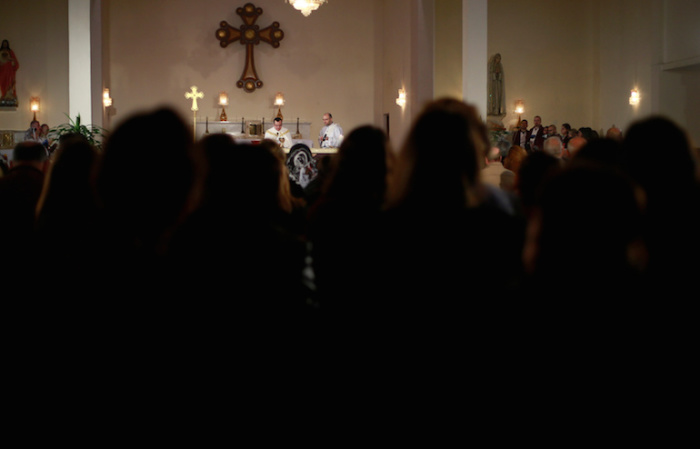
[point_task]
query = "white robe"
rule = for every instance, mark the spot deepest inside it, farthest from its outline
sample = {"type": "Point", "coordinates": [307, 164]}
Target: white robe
{"type": "Point", "coordinates": [283, 133]}
{"type": "Point", "coordinates": [334, 135]}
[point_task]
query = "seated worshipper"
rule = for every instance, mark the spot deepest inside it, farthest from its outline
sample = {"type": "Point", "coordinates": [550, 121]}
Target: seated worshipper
{"type": "Point", "coordinates": [566, 133]}
{"type": "Point", "coordinates": [554, 147]}
{"type": "Point", "coordinates": [45, 138]}
{"type": "Point", "coordinates": [278, 134]}
{"type": "Point", "coordinates": [440, 239]}
{"type": "Point", "coordinates": [587, 133]}
{"type": "Point", "coordinates": [231, 251]}
{"type": "Point", "coordinates": [67, 212]}
{"type": "Point", "coordinates": [585, 242]}
{"type": "Point", "coordinates": [4, 165]}
{"type": "Point", "coordinates": [331, 134]}
{"type": "Point", "coordinates": [514, 158]}
{"type": "Point", "coordinates": [575, 144]}
{"type": "Point", "coordinates": [342, 222]}
{"type": "Point", "coordinates": [34, 131]}
{"type": "Point", "coordinates": [20, 190]}
{"type": "Point", "coordinates": [144, 184]}
{"type": "Point", "coordinates": [659, 157]}
{"type": "Point", "coordinates": [498, 181]}
{"type": "Point", "coordinates": [534, 171]}
{"type": "Point", "coordinates": [604, 151]}
{"type": "Point", "coordinates": [491, 173]}
{"type": "Point", "coordinates": [614, 133]}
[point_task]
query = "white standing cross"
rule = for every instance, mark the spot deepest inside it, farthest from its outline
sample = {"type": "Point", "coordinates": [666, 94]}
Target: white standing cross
{"type": "Point", "coordinates": [194, 95]}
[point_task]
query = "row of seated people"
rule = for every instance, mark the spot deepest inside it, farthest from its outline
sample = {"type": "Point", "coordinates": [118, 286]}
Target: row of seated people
{"type": "Point", "coordinates": [158, 223]}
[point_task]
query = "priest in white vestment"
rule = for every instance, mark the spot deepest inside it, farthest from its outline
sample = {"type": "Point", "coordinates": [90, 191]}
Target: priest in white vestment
{"type": "Point", "coordinates": [331, 134]}
{"type": "Point", "coordinates": [279, 134]}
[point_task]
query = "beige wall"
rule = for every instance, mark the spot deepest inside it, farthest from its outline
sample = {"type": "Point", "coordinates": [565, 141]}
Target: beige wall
{"type": "Point", "coordinates": [567, 62]}
{"type": "Point", "coordinates": [157, 53]}
{"type": "Point", "coordinates": [406, 31]}
{"type": "Point", "coordinates": [630, 51]}
{"type": "Point", "coordinates": [448, 48]}
{"type": "Point", "coordinates": [41, 45]}
{"type": "Point", "coordinates": [679, 75]}
{"type": "Point", "coordinates": [550, 59]}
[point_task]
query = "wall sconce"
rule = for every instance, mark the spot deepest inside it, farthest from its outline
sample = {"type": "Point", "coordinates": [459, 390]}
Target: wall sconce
{"type": "Point", "coordinates": [279, 102]}
{"type": "Point", "coordinates": [634, 97]}
{"type": "Point", "coordinates": [34, 105]}
{"type": "Point", "coordinates": [519, 109]}
{"type": "Point", "coordinates": [401, 99]}
{"type": "Point", "coordinates": [223, 101]}
{"type": "Point", "coordinates": [106, 99]}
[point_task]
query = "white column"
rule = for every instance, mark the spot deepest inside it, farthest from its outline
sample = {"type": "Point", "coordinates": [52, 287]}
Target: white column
{"type": "Point", "coordinates": [420, 89]}
{"type": "Point", "coordinates": [474, 53]}
{"type": "Point", "coordinates": [79, 65]}
{"type": "Point", "coordinates": [97, 63]}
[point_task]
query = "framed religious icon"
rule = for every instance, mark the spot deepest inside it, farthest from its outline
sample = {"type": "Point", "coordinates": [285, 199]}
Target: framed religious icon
{"type": "Point", "coordinates": [254, 128]}
{"type": "Point", "coordinates": [8, 68]}
{"type": "Point", "coordinates": [7, 140]}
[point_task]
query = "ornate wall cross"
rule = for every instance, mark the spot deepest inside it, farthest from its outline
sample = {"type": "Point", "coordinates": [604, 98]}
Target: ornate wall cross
{"type": "Point", "coordinates": [249, 35]}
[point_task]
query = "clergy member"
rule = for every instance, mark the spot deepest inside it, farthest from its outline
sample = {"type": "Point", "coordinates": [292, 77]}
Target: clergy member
{"type": "Point", "coordinates": [279, 134]}
{"type": "Point", "coordinates": [331, 134]}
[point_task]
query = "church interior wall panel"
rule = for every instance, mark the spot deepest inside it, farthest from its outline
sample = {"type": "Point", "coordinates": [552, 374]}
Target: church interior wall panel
{"type": "Point", "coordinates": [324, 63]}
{"type": "Point", "coordinates": [681, 31]}
{"type": "Point", "coordinates": [680, 99]}
{"type": "Point", "coordinates": [549, 59]}
{"type": "Point", "coordinates": [567, 62]}
{"type": "Point", "coordinates": [630, 49]}
{"type": "Point", "coordinates": [396, 66]}
{"type": "Point", "coordinates": [679, 87]}
{"type": "Point", "coordinates": [448, 49]}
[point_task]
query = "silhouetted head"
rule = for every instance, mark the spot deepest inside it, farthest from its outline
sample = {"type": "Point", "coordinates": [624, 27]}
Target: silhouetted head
{"type": "Point", "coordinates": [514, 158]}
{"type": "Point", "coordinates": [359, 168]}
{"type": "Point", "coordinates": [535, 170]}
{"type": "Point", "coordinates": [29, 151]}
{"type": "Point", "coordinates": [440, 161]}
{"type": "Point", "coordinates": [147, 172]}
{"type": "Point", "coordinates": [586, 219]}
{"type": "Point", "coordinates": [601, 151]}
{"type": "Point", "coordinates": [653, 143]}
{"type": "Point", "coordinates": [69, 187]}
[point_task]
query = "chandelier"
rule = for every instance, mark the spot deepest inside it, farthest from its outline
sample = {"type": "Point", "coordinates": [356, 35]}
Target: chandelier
{"type": "Point", "coordinates": [306, 6]}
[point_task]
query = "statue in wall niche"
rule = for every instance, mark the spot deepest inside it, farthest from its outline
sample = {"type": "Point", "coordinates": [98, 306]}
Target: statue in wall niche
{"type": "Point", "coordinates": [8, 68]}
{"type": "Point", "coordinates": [496, 87]}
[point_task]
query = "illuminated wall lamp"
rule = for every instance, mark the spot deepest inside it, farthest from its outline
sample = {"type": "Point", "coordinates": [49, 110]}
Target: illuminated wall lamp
{"type": "Point", "coordinates": [519, 109]}
{"type": "Point", "coordinates": [34, 105]}
{"type": "Point", "coordinates": [279, 102]}
{"type": "Point", "coordinates": [106, 99]}
{"type": "Point", "coordinates": [634, 97]}
{"type": "Point", "coordinates": [401, 100]}
{"type": "Point", "coordinates": [223, 101]}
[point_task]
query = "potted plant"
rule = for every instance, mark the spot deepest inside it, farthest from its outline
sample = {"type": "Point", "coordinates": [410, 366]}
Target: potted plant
{"type": "Point", "coordinates": [91, 132]}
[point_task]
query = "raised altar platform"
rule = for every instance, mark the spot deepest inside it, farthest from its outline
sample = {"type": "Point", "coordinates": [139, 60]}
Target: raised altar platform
{"type": "Point", "coordinates": [253, 131]}
{"type": "Point", "coordinates": [250, 128]}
